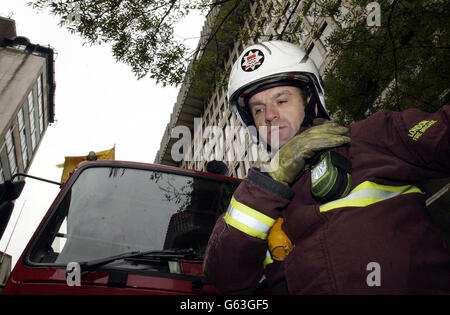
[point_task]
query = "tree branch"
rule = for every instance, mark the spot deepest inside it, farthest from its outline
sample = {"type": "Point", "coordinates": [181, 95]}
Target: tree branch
{"type": "Point", "coordinates": [163, 18]}
{"type": "Point", "coordinates": [289, 19]}
{"type": "Point", "coordinates": [220, 25]}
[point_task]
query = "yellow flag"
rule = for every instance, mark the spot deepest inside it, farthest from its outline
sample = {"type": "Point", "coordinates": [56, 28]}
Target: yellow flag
{"type": "Point", "coordinates": [72, 161]}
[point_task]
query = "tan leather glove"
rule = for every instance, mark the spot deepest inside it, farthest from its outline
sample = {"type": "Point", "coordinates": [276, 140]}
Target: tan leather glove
{"type": "Point", "coordinates": [289, 161]}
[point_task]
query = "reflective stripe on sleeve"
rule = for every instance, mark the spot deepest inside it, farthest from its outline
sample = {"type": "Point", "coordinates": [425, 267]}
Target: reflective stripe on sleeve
{"type": "Point", "coordinates": [248, 220]}
{"type": "Point", "coordinates": [368, 193]}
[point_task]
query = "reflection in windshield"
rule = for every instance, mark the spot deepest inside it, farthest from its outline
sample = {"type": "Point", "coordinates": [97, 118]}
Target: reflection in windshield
{"type": "Point", "coordinates": [108, 211]}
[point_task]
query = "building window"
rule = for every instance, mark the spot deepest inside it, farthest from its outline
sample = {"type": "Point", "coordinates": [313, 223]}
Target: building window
{"type": "Point", "coordinates": [219, 147]}
{"type": "Point", "coordinates": [279, 25]}
{"type": "Point", "coordinates": [301, 32]}
{"type": "Point", "coordinates": [23, 141]}
{"type": "Point", "coordinates": [31, 115]}
{"type": "Point", "coordinates": [325, 32]}
{"type": "Point", "coordinates": [246, 164]}
{"type": "Point", "coordinates": [2, 177]}
{"type": "Point", "coordinates": [238, 170]}
{"type": "Point", "coordinates": [269, 8]}
{"type": "Point", "coordinates": [312, 14]}
{"type": "Point", "coordinates": [286, 10]}
{"type": "Point", "coordinates": [315, 55]}
{"type": "Point", "coordinates": [264, 25]}
{"type": "Point", "coordinates": [233, 60]}
{"type": "Point", "coordinates": [40, 104]}
{"type": "Point", "coordinates": [229, 153]}
{"type": "Point", "coordinates": [11, 153]}
{"type": "Point", "coordinates": [340, 18]}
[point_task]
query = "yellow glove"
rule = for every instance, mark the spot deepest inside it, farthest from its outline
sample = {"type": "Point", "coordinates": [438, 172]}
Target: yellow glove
{"type": "Point", "coordinates": [289, 161]}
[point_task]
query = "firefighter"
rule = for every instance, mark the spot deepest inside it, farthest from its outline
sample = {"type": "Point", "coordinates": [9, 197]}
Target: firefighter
{"type": "Point", "coordinates": [342, 210]}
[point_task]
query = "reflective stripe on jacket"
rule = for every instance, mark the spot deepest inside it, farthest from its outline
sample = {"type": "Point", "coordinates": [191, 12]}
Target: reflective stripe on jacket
{"type": "Point", "coordinates": [248, 220]}
{"type": "Point", "coordinates": [368, 193]}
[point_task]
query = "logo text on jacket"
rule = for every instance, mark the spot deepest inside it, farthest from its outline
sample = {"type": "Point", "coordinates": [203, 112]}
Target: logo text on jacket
{"type": "Point", "coordinates": [418, 130]}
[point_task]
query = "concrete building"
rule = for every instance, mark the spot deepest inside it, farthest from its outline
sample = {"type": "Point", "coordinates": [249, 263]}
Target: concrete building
{"type": "Point", "coordinates": [27, 91]}
{"type": "Point", "coordinates": [197, 114]}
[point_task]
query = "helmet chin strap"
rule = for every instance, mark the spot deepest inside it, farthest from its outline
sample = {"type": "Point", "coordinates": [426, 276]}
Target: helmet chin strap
{"type": "Point", "coordinates": [310, 111]}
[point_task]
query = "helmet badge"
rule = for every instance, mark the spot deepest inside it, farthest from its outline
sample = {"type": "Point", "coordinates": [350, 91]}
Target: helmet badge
{"type": "Point", "coordinates": [252, 60]}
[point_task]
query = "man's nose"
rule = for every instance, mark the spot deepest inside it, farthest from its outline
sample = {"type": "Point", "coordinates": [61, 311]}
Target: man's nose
{"type": "Point", "coordinates": [271, 112]}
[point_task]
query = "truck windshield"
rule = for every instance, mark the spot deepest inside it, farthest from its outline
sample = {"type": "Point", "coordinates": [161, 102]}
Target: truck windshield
{"type": "Point", "coordinates": [111, 210]}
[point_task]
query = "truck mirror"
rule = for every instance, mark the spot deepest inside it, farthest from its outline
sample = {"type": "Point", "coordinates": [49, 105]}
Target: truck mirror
{"type": "Point", "coordinates": [9, 191]}
{"type": "Point", "coordinates": [6, 208]}
{"type": "Point", "coordinates": [217, 167]}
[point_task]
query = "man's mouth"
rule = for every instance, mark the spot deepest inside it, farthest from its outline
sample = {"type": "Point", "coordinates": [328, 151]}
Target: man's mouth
{"type": "Point", "coordinates": [275, 129]}
{"type": "Point", "coordinates": [273, 135]}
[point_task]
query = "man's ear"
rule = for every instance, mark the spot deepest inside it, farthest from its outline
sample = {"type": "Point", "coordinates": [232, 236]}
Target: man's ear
{"type": "Point", "coordinates": [316, 109]}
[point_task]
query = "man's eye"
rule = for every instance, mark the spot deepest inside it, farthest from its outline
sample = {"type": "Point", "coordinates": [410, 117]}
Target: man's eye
{"type": "Point", "coordinates": [258, 110]}
{"type": "Point", "coordinates": [282, 101]}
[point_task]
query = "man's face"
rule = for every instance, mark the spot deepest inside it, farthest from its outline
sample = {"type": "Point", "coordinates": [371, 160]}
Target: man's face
{"type": "Point", "coordinates": [281, 107]}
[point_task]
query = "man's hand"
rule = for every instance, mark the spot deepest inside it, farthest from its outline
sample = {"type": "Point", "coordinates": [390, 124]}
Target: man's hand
{"type": "Point", "coordinates": [289, 161]}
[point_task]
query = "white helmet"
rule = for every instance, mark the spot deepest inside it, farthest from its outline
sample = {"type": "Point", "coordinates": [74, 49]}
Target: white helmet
{"type": "Point", "coordinates": [270, 64]}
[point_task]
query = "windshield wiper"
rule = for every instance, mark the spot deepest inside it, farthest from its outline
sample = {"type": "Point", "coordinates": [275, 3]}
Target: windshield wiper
{"type": "Point", "coordinates": [169, 254]}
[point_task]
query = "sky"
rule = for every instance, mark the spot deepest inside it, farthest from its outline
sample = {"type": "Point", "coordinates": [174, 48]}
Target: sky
{"type": "Point", "coordinates": [99, 103]}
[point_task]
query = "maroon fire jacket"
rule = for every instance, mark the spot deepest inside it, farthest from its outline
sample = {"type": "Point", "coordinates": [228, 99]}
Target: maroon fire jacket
{"type": "Point", "coordinates": [337, 251]}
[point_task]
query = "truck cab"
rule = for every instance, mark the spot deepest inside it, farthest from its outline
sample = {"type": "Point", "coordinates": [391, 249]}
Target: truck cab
{"type": "Point", "coordinates": [124, 228]}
